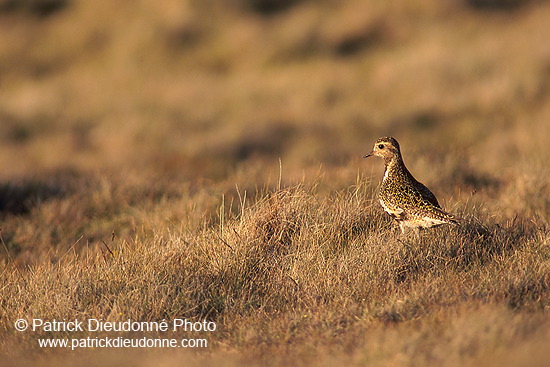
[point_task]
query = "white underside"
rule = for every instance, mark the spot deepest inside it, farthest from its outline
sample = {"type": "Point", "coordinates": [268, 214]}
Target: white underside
{"type": "Point", "coordinates": [430, 222]}
{"type": "Point", "coordinates": [424, 222]}
{"type": "Point", "coordinates": [395, 211]}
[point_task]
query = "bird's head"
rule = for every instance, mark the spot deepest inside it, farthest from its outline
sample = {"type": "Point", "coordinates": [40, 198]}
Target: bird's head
{"type": "Point", "coordinates": [386, 148]}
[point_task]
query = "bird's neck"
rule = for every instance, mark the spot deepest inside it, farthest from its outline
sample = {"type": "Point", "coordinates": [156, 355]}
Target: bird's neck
{"type": "Point", "coordinates": [394, 165]}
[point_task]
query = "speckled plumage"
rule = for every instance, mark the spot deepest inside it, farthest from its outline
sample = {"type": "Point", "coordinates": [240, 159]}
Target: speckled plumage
{"type": "Point", "coordinates": [411, 203]}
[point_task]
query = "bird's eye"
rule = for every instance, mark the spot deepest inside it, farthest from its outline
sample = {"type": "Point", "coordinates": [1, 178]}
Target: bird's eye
{"type": "Point", "coordinates": [380, 146]}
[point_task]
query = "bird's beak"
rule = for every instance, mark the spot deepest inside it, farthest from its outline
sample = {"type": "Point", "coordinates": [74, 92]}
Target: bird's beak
{"type": "Point", "coordinates": [369, 155]}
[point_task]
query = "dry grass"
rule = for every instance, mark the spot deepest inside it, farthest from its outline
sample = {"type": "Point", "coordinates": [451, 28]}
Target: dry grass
{"type": "Point", "coordinates": [299, 273]}
{"type": "Point", "coordinates": [220, 143]}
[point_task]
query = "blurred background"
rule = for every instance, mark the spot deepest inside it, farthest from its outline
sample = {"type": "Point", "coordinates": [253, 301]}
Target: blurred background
{"type": "Point", "coordinates": [196, 88]}
{"type": "Point", "coordinates": [109, 107]}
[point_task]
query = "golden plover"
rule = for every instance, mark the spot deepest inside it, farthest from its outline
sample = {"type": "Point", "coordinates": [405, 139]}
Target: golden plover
{"type": "Point", "coordinates": [411, 203]}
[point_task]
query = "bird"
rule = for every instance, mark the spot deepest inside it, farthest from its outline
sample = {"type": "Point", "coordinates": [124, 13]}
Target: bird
{"type": "Point", "coordinates": [407, 200]}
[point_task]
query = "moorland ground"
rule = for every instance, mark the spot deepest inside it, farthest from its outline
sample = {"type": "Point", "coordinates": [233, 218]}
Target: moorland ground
{"type": "Point", "coordinates": [202, 160]}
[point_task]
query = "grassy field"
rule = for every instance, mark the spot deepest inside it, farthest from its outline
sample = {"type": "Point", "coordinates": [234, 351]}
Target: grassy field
{"type": "Point", "coordinates": [203, 160]}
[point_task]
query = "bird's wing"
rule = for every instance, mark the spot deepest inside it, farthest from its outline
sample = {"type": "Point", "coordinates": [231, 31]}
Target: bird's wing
{"type": "Point", "coordinates": [428, 195]}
